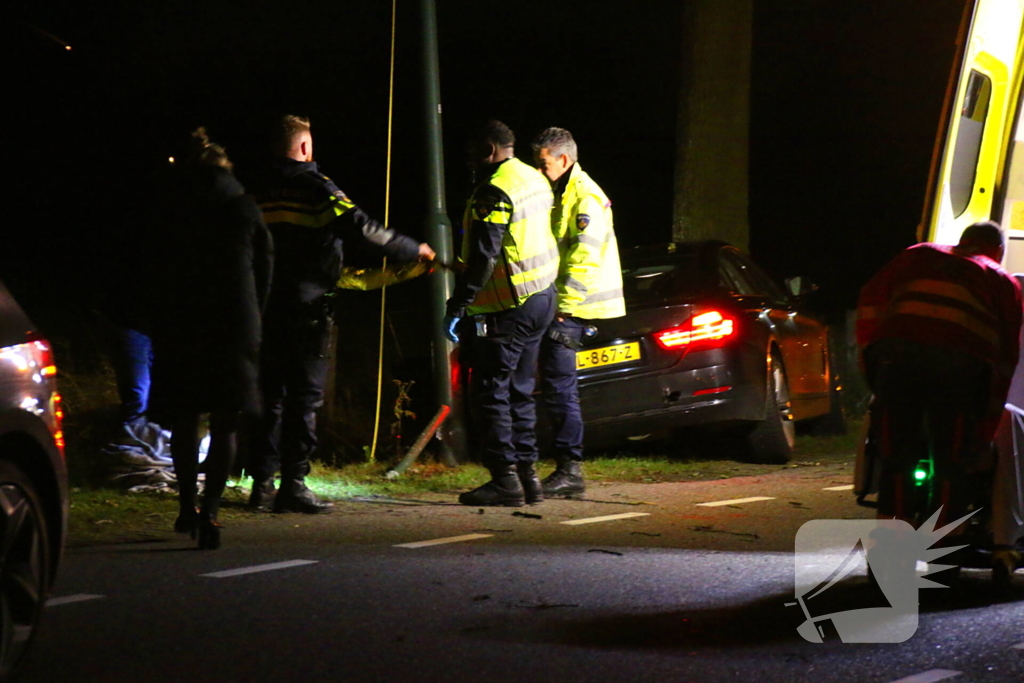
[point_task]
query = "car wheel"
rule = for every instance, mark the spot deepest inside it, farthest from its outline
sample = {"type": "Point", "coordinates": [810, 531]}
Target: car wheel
{"type": "Point", "coordinates": [24, 565]}
{"type": "Point", "coordinates": [771, 441]}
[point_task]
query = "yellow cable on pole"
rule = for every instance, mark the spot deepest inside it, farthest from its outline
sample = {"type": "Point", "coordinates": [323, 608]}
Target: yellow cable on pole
{"type": "Point", "coordinates": [387, 208]}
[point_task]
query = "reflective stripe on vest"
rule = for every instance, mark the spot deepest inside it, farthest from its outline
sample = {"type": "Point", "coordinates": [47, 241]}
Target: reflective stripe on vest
{"type": "Point", "coordinates": [949, 302]}
{"type": "Point", "coordinates": [528, 262]}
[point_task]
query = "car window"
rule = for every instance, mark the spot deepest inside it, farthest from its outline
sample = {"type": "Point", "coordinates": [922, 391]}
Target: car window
{"type": "Point", "coordinates": [762, 284]}
{"type": "Point", "coordinates": [664, 279]}
{"type": "Point", "coordinates": [734, 277]}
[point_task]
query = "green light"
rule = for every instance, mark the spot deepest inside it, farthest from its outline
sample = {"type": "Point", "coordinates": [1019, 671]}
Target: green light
{"type": "Point", "coordinates": [920, 475]}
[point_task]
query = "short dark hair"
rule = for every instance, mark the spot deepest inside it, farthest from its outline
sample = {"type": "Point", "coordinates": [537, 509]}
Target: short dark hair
{"type": "Point", "coordinates": [557, 141]}
{"type": "Point", "coordinates": [983, 234]}
{"type": "Point", "coordinates": [494, 132]}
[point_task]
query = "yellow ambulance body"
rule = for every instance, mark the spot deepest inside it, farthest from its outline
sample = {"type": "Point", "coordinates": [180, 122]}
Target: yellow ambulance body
{"type": "Point", "coordinates": [978, 166]}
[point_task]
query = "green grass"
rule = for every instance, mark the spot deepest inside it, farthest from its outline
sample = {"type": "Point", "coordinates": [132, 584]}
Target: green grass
{"type": "Point", "coordinates": [105, 515]}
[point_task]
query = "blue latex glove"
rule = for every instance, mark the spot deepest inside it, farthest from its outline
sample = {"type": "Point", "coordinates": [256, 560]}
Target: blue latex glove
{"type": "Point", "coordinates": [449, 323]}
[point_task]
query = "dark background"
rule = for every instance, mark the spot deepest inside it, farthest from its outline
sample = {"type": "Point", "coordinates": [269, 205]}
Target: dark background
{"type": "Point", "coordinates": [846, 98]}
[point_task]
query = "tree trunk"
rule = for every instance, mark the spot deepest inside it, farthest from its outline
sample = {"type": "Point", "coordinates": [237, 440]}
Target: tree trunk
{"type": "Point", "coordinates": [712, 162]}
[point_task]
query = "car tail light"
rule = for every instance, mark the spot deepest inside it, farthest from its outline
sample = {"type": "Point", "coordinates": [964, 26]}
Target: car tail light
{"type": "Point", "coordinates": [43, 353]}
{"type": "Point", "coordinates": [710, 329]}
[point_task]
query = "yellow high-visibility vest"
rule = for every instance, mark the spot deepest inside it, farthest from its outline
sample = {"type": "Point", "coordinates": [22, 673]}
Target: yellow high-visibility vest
{"type": "Point", "coordinates": [589, 281]}
{"type": "Point", "coordinates": [528, 262]}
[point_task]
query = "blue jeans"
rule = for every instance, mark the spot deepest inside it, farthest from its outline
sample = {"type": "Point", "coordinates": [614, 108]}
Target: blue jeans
{"type": "Point", "coordinates": [561, 391]}
{"type": "Point", "coordinates": [132, 359]}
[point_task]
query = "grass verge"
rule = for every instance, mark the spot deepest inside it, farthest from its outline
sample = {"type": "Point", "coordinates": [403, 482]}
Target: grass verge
{"type": "Point", "coordinates": [105, 515]}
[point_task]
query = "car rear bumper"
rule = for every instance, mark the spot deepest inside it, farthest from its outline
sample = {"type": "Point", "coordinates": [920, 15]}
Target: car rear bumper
{"type": "Point", "coordinates": [668, 400]}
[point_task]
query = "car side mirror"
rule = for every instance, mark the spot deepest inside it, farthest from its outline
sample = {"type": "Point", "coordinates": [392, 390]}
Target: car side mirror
{"type": "Point", "coordinates": [800, 287]}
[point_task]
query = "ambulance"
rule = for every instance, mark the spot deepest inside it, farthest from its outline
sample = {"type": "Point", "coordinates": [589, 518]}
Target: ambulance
{"type": "Point", "coordinates": [977, 174]}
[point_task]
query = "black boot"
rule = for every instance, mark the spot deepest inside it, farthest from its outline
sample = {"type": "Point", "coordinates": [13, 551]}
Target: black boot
{"type": "Point", "coordinates": [566, 481]}
{"type": "Point", "coordinates": [503, 489]}
{"type": "Point", "coordinates": [294, 496]}
{"type": "Point", "coordinates": [262, 496]}
{"type": "Point", "coordinates": [531, 483]}
{"type": "Point", "coordinates": [209, 532]}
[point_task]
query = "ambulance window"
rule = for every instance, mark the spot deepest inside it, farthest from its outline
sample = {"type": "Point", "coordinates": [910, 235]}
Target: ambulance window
{"type": "Point", "coordinates": [968, 140]}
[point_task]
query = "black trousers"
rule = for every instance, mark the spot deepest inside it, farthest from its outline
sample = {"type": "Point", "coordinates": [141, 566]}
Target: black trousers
{"type": "Point", "coordinates": [293, 374]}
{"type": "Point", "coordinates": [929, 403]}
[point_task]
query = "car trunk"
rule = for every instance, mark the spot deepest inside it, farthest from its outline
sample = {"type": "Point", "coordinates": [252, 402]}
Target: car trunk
{"type": "Point", "coordinates": [636, 326]}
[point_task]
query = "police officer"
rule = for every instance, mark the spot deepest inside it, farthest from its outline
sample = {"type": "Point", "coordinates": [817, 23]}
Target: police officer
{"type": "Point", "coordinates": [310, 219]}
{"type": "Point", "coordinates": [507, 294]}
{"type": "Point", "coordinates": [589, 287]}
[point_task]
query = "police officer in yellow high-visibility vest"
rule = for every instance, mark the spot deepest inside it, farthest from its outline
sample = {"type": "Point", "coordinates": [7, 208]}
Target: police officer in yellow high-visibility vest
{"type": "Point", "coordinates": [507, 297]}
{"type": "Point", "coordinates": [589, 287]}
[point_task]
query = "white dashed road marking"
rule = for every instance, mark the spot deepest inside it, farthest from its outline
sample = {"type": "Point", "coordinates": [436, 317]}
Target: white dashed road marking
{"type": "Point", "coordinates": [719, 503]}
{"type": "Point", "coordinates": [929, 676]}
{"type": "Point", "coordinates": [1018, 647]}
{"type": "Point", "coordinates": [255, 569]}
{"type": "Point", "coordinates": [606, 518]}
{"type": "Point", "coordinates": [846, 487]}
{"type": "Point", "coordinates": [442, 541]}
{"type": "Point", "coordinates": [68, 599]}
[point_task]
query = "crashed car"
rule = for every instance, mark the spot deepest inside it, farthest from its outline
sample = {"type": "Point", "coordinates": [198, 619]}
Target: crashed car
{"type": "Point", "coordinates": [709, 341]}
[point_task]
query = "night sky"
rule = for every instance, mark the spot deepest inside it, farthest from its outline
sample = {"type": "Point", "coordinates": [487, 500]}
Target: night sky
{"type": "Point", "coordinates": [846, 99]}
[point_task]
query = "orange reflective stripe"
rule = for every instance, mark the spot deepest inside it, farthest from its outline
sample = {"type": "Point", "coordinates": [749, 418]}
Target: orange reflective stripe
{"type": "Point", "coordinates": [947, 289]}
{"type": "Point", "coordinates": [952, 315]}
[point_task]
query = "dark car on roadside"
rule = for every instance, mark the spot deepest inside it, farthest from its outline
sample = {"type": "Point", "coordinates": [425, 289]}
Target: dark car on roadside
{"type": "Point", "coordinates": [33, 480]}
{"type": "Point", "coordinates": [709, 342]}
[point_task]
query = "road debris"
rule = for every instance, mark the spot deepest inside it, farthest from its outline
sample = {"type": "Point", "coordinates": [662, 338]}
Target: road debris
{"type": "Point", "coordinates": [711, 529]}
{"type": "Point", "coordinates": [541, 605]}
{"type": "Point", "coordinates": [527, 515]}
{"type": "Point", "coordinates": [606, 552]}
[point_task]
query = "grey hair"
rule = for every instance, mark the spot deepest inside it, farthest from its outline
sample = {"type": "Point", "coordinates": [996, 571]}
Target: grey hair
{"type": "Point", "coordinates": [557, 141]}
{"type": "Point", "coordinates": [984, 234]}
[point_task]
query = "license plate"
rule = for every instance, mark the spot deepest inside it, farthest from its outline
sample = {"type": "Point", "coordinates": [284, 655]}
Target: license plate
{"type": "Point", "coordinates": [607, 355]}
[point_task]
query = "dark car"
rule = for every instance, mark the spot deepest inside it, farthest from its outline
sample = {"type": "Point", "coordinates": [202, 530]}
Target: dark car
{"type": "Point", "coordinates": [709, 340]}
{"type": "Point", "coordinates": [33, 480]}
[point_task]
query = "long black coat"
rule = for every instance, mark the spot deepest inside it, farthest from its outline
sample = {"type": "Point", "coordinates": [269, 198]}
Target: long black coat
{"type": "Point", "coordinates": [210, 277]}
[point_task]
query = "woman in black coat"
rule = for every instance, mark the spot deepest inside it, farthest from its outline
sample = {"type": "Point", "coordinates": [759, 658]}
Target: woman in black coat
{"type": "Point", "coordinates": [212, 275]}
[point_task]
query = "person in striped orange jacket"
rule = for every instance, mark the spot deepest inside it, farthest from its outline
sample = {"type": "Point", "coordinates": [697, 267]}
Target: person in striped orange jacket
{"type": "Point", "coordinates": [938, 329]}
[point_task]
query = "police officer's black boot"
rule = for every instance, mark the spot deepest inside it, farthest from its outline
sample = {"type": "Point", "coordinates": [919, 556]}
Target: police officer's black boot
{"type": "Point", "coordinates": [532, 490]}
{"type": "Point", "coordinates": [262, 496]}
{"type": "Point", "coordinates": [503, 489]}
{"type": "Point", "coordinates": [295, 496]}
{"type": "Point", "coordinates": [566, 481]}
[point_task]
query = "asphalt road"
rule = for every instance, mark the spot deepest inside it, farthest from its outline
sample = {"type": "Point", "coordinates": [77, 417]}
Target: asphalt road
{"type": "Point", "coordinates": [676, 591]}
